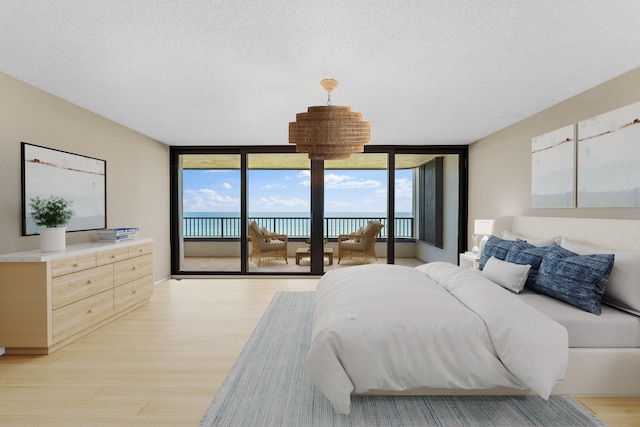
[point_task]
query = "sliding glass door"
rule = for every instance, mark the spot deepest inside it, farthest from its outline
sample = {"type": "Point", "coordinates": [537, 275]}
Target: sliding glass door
{"type": "Point", "coordinates": [209, 213]}
{"type": "Point", "coordinates": [302, 207]}
{"type": "Point", "coordinates": [278, 203]}
{"type": "Point", "coordinates": [355, 194]}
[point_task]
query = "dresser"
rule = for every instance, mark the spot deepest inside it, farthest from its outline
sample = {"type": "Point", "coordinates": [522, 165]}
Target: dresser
{"type": "Point", "coordinates": [48, 300]}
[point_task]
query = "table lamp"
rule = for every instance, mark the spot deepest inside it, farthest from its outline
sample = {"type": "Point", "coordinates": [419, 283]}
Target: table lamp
{"type": "Point", "coordinates": [482, 227]}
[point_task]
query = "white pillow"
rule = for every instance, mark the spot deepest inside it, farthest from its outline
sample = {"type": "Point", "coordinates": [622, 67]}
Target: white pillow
{"type": "Point", "coordinates": [506, 274]}
{"type": "Point", "coordinates": [534, 241]}
{"type": "Point", "coordinates": [623, 289]}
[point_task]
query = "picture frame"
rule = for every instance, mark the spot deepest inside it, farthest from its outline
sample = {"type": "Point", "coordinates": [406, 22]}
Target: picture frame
{"type": "Point", "coordinates": [80, 179]}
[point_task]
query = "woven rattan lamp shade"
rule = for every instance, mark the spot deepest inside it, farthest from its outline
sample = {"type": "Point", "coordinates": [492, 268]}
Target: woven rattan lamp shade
{"type": "Point", "coordinates": [331, 132]}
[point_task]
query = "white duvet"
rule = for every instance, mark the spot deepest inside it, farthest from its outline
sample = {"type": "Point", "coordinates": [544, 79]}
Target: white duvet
{"type": "Point", "coordinates": [389, 327]}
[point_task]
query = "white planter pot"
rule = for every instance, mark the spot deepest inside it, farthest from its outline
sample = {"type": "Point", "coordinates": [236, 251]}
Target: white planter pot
{"type": "Point", "coordinates": [53, 239]}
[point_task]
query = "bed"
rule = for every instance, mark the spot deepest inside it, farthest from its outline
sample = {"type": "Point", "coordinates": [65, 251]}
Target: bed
{"type": "Point", "coordinates": [443, 329]}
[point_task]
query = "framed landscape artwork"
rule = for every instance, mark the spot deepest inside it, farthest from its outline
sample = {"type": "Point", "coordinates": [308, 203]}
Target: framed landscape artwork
{"type": "Point", "coordinates": [553, 169]}
{"type": "Point", "coordinates": [82, 180]}
{"type": "Point", "coordinates": [609, 159]}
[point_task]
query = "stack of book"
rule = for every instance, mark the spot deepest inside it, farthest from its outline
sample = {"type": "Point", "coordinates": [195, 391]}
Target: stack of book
{"type": "Point", "coordinates": [116, 235]}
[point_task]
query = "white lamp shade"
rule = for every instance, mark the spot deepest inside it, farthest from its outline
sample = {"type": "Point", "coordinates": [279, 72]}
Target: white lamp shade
{"type": "Point", "coordinates": [482, 227]}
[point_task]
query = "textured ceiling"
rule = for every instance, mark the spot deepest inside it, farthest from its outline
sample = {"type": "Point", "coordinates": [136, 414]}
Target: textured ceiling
{"type": "Point", "coordinates": [215, 72]}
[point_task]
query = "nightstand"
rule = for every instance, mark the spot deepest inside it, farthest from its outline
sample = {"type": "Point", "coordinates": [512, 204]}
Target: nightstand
{"type": "Point", "coordinates": [470, 259]}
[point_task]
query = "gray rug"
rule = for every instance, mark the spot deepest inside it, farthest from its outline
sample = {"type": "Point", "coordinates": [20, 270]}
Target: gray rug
{"type": "Point", "coordinates": [268, 386]}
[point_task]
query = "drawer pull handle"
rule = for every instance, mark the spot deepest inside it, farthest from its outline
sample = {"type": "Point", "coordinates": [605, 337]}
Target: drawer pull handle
{"type": "Point", "coordinates": [89, 282]}
{"type": "Point", "coordinates": [113, 256]}
{"type": "Point", "coordinates": [75, 264]}
{"type": "Point", "coordinates": [133, 268]}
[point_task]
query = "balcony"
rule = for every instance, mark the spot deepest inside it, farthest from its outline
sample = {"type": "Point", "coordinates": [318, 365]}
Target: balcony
{"type": "Point", "coordinates": [294, 227]}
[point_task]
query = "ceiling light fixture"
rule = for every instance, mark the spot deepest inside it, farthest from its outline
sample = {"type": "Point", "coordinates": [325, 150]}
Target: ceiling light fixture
{"type": "Point", "coordinates": [329, 133]}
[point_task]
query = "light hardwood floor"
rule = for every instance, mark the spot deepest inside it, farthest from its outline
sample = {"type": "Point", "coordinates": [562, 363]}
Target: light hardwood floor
{"type": "Point", "coordinates": [162, 364]}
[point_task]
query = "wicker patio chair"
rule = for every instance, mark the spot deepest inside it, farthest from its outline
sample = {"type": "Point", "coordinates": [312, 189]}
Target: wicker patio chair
{"type": "Point", "coordinates": [359, 246]}
{"type": "Point", "coordinates": [267, 246]}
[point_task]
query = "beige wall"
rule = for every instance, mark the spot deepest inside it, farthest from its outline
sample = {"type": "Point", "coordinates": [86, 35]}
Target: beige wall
{"type": "Point", "coordinates": [500, 164]}
{"type": "Point", "coordinates": [137, 166]}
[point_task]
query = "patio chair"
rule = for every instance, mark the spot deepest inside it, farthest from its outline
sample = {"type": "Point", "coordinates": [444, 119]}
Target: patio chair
{"type": "Point", "coordinates": [359, 246]}
{"type": "Point", "coordinates": [267, 246]}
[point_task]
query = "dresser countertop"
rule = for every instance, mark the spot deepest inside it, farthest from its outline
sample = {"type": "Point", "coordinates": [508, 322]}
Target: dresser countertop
{"type": "Point", "coordinates": [71, 250]}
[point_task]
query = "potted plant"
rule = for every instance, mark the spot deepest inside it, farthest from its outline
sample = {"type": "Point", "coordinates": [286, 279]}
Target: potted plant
{"type": "Point", "coordinates": [52, 216]}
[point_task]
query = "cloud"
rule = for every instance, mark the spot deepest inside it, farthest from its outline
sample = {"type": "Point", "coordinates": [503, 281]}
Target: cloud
{"type": "Point", "coordinates": [278, 204]}
{"type": "Point", "coordinates": [226, 186]}
{"type": "Point", "coordinates": [207, 200]}
{"type": "Point", "coordinates": [306, 178]}
{"type": "Point", "coordinates": [274, 186]}
{"type": "Point", "coordinates": [404, 188]}
{"type": "Point", "coordinates": [346, 182]}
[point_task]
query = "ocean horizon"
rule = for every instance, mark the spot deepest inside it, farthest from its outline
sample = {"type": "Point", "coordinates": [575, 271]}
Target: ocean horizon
{"type": "Point", "coordinates": [294, 224]}
{"type": "Point", "coordinates": [295, 214]}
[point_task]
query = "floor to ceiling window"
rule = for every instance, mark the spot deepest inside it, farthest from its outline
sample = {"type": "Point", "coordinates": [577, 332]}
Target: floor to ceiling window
{"type": "Point", "coordinates": [302, 207]}
{"type": "Point", "coordinates": [278, 203]}
{"type": "Point", "coordinates": [210, 205]}
{"type": "Point", "coordinates": [356, 194]}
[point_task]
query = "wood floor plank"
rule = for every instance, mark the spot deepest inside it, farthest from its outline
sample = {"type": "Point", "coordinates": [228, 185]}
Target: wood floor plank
{"type": "Point", "coordinates": [173, 407]}
{"type": "Point", "coordinates": [162, 364]}
{"type": "Point", "coordinates": [54, 407]}
{"type": "Point", "coordinates": [37, 393]}
{"type": "Point", "coordinates": [100, 421]}
{"type": "Point", "coordinates": [615, 411]}
{"type": "Point", "coordinates": [156, 392]}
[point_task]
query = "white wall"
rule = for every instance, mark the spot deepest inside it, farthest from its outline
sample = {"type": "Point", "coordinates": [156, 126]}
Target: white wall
{"type": "Point", "coordinates": [500, 164]}
{"type": "Point", "coordinates": [137, 166]}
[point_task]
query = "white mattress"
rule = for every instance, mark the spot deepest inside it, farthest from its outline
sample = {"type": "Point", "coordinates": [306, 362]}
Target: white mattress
{"type": "Point", "coordinates": [612, 329]}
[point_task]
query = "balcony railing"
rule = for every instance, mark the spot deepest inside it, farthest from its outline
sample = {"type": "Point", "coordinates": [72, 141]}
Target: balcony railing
{"type": "Point", "coordinates": [293, 227]}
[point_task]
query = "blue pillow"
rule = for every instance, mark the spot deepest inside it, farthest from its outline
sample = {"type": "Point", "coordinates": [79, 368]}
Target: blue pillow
{"type": "Point", "coordinates": [522, 252]}
{"type": "Point", "coordinates": [579, 280]}
{"type": "Point", "coordinates": [495, 247]}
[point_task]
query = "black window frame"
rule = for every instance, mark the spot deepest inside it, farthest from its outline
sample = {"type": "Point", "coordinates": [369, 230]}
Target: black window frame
{"type": "Point", "coordinates": [317, 197]}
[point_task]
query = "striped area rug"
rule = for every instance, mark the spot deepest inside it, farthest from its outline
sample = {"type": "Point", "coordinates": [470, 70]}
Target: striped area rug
{"type": "Point", "coordinates": [269, 386]}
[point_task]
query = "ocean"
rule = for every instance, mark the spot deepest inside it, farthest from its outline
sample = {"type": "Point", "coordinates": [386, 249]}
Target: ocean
{"type": "Point", "coordinates": [293, 224]}
{"type": "Point", "coordinates": [294, 214]}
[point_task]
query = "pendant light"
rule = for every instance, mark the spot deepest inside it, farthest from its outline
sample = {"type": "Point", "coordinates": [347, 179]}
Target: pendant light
{"type": "Point", "coordinates": [331, 132]}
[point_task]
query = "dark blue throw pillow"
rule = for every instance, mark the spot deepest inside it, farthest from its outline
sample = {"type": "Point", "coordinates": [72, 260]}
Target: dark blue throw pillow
{"type": "Point", "coordinates": [522, 252]}
{"type": "Point", "coordinates": [495, 247]}
{"type": "Point", "coordinates": [579, 280]}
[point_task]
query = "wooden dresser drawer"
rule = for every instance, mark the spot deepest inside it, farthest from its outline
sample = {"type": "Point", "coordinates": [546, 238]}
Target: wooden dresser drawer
{"type": "Point", "coordinates": [131, 269]}
{"type": "Point", "coordinates": [141, 249]}
{"type": "Point", "coordinates": [82, 284]}
{"type": "Point", "coordinates": [50, 300]}
{"type": "Point", "coordinates": [72, 264]}
{"type": "Point", "coordinates": [133, 292]}
{"type": "Point", "coordinates": [82, 314]}
{"type": "Point", "coordinates": [112, 255]}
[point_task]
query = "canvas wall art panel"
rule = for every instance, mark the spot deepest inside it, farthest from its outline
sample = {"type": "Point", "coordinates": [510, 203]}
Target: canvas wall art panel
{"type": "Point", "coordinates": [82, 180]}
{"type": "Point", "coordinates": [609, 159]}
{"type": "Point", "coordinates": [553, 169]}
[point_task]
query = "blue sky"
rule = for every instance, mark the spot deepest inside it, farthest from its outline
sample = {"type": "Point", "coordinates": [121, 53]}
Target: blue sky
{"type": "Point", "coordinates": [289, 191]}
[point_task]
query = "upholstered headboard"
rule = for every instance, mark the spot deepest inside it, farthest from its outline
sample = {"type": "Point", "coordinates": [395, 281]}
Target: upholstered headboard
{"type": "Point", "coordinates": [618, 234]}
{"type": "Point", "coordinates": [584, 236]}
